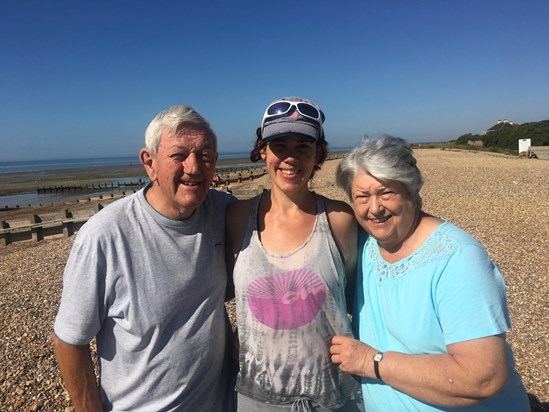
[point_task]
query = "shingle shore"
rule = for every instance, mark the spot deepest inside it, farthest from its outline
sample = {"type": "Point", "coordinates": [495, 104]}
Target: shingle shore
{"type": "Point", "coordinates": [503, 202]}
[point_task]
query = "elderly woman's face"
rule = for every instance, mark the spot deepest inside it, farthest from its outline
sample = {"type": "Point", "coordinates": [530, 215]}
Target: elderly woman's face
{"type": "Point", "coordinates": [384, 210]}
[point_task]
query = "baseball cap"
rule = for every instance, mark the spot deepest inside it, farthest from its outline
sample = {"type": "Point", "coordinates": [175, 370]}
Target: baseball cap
{"type": "Point", "coordinates": [292, 116]}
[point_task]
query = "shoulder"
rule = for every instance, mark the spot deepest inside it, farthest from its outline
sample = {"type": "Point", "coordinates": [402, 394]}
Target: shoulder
{"type": "Point", "coordinates": [239, 211]}
{"type": "Point", "coordinates": [219, 198]}
{"type": "Point", "coordinates": [458, 243]}
{"type": "Point", "coordinates": [215, 204]}
{"type": "Point", "coordinates": [340, 214]}
{"type": "Point", "coordinates": [466, 259]}
{"type": "Point", "coordinates": [211, 212]}
{"type": "Point", "coordinates": [110, 216]}
{"type": "Point", "coordinates": [336, 206]}
{"type": "Point", "coordinates": [460, 236]}
{"type": "Point", "coordinates": [236, 223]}
{"type": "Point", "coordinates": [342, 223]}
{"type": "Point", "coordinates": [116, 220]}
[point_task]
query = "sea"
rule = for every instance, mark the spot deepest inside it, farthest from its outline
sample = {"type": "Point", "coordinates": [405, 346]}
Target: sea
{"type": "Point", "coordinates": [37, 166]}
{"type": "Point", "coordinates": [226, 161]}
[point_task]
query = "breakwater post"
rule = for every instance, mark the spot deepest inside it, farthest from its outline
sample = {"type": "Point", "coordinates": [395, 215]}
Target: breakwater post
{"type": "Point", "coordinates": [90, 187]}
{"type": "Point", "coordinates": [4, 236]}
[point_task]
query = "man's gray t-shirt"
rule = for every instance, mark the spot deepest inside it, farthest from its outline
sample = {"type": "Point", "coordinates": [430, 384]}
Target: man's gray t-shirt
{"type": "Point", "coordinates": [151, 290]}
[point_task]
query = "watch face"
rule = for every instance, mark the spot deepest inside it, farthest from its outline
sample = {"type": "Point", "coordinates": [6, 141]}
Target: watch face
{"type": "Point", "coordinates": [378, 357]}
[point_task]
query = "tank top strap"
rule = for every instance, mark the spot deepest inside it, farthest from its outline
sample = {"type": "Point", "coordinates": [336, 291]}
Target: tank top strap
{"type": "Point", "coordinates": [323, 226]}
{"type": "Point", "coordinates": [254, 210]}
{"type": "Point", "coordinates": [321, 214]}
{"type": "Point", "coordinates": [321, 223]}
{"type": "Point", "coordinates": [252, 220]}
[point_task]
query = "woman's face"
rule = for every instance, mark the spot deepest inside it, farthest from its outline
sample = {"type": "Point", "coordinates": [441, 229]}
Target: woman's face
{"type": "Point", "coordinates": [384, 209]}
{"type": "Point", "coordinates": [290, 161]}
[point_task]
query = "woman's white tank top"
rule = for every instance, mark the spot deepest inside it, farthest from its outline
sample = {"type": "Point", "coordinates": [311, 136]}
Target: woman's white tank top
{"type": "Point", "coordinates": [289, 306]}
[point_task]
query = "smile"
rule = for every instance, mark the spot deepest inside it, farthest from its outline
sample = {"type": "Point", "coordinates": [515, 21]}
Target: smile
{"type": "Point", "coordinates": [379, 219]}
{"type": "Point", "coordinates": [189, 183]}
{"type": "Point", "coordinates": [290, 172]}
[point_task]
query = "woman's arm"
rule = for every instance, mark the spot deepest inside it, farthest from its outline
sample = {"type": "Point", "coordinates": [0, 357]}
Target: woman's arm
{"type": "Point", "coordinates": [236, 222]}
{"type": "Point", "coordinates": [470, 372]}
{"type": "Point", "coordinates": [344, 229]}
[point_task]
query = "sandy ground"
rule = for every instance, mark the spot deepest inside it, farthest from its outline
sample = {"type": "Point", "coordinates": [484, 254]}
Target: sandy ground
{"type": "Point", "coordinates": [503, 202]}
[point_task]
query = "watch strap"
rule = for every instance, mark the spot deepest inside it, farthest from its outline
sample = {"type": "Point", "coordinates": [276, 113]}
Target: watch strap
{"type": "Point", "coordinates": [377, 358]}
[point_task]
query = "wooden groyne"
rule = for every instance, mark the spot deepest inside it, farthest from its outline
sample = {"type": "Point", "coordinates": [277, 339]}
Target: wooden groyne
{"type": "Point", "coordinates": [94, 187]}
{"type": "Point", "coordinates": [66, 222]}
{"type": "Point", "coordinates": [239, 176]}
{"type": "Point", "coordinates": [36, 227]}
{"type": "Point", "coordinates": [226, 176]}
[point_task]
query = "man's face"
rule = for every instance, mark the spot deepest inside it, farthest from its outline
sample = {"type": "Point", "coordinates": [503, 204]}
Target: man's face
{"type": "Point", "coordinates": [181, 170]}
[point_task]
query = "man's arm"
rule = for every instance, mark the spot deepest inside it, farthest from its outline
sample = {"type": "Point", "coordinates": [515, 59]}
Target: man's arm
{"type": "Point", "coordinates": [77, 370]}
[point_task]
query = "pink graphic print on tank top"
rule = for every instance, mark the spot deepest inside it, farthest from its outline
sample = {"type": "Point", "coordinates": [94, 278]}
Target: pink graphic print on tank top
{"type": "Point", "coordinates": [286, 300]}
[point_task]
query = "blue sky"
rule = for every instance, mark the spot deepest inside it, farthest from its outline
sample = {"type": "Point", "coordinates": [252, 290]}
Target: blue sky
{"type": "Point", "coordinates": [84, 78]}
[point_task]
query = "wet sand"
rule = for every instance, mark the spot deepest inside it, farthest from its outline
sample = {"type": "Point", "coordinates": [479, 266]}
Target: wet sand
{"type": "Point", "coordinates": [25, 182]}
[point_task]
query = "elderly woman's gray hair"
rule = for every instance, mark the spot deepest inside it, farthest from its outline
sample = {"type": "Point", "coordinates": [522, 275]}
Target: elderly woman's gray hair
{"type": "Point", "coordinates": [173, 118]}
{"type": "Point", "coordinates": [387, 158]}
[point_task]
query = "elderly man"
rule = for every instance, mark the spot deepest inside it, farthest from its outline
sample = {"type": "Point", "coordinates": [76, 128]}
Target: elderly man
{"type": "Point", "coordinates": [146, 277]}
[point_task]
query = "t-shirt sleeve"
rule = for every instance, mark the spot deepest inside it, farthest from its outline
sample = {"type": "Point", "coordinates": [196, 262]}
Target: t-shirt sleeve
{"type": "Point", "coordinates": [470, 296]}
{"type": "Point", "coordinates": [81, 310]}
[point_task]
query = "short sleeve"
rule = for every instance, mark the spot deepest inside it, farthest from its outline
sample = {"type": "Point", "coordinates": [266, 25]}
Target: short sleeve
{"type": "Point", "coordinates": [80, 311]}
{"type": "Point", "coordinates": [470, 296]}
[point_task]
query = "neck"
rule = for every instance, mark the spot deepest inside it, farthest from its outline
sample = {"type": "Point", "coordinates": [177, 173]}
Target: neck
{"type": "Point", "coordinates": [164, 209]}
{"type": "Point", "coordinates": [303, 200]}
{"type": "Point", "coordinates": [406, 246]}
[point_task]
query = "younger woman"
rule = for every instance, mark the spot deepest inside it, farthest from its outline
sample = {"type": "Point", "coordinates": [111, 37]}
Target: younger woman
{"type": "Point", "coordinates": [293, 252]}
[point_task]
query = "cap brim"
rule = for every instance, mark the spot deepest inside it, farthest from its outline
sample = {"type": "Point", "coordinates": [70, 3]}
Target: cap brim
{"type": "Point", "coordinates": [276, 130]}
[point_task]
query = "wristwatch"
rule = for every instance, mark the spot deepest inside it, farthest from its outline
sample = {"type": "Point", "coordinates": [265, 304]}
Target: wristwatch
{"type": "Point", "coordinates": [377, 358]}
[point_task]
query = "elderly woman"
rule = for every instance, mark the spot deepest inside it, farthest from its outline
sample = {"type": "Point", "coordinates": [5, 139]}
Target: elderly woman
{"type": "Point", "coordinates": [431, 311]}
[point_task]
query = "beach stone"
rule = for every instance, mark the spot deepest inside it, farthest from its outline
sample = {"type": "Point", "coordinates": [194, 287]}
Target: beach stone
{"type": "Point", "coordinates": [502, 201]}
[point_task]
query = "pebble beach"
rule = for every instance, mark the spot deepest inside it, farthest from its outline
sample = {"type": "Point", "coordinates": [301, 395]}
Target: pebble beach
{"type": "Point", "coordinates": [502, 201]}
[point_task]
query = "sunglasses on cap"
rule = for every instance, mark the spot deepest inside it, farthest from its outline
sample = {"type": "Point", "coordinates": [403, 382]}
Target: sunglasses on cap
{"type": "Point", "coordinates": [283, 107]}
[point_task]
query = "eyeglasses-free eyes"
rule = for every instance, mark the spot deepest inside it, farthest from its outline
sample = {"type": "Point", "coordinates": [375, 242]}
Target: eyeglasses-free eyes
{"type": "Point", "coordinates": [282, 107]}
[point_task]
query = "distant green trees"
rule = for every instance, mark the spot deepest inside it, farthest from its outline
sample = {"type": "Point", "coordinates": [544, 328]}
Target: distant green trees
{"type": "Point", "coordinates": [537, 132]}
